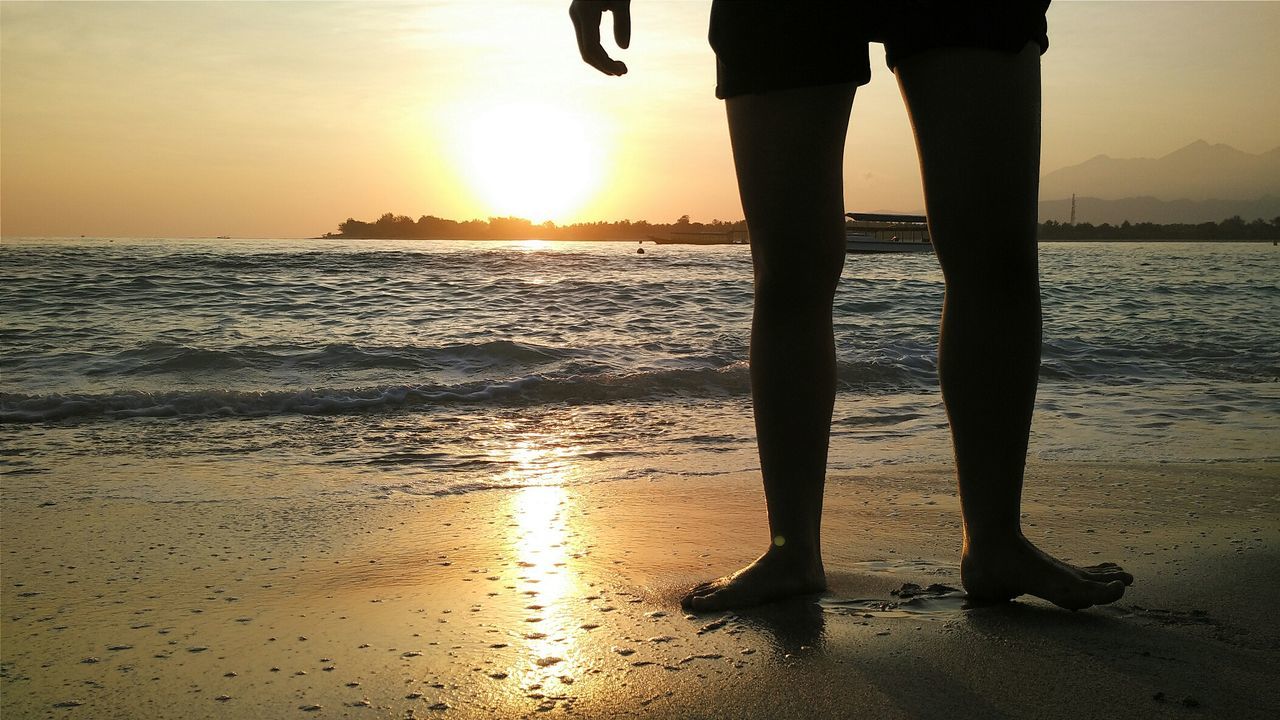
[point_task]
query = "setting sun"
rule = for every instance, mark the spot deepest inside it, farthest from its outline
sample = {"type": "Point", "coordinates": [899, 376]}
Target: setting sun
{"type": "Point", "coordinates": [531, 160]}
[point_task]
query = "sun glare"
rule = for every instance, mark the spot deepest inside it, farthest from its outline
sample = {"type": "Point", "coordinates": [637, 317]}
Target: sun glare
{"type": "Point", "coordinates": [530, 160]}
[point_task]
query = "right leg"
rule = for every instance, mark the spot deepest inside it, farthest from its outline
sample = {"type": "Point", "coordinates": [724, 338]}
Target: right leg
{"type": "Point", "coordinates": [976, 116]}
{"type": "Point", "coordinates": [788, 149]}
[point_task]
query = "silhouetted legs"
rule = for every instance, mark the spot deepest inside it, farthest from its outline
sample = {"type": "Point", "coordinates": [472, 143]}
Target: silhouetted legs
{"type": "Point", "coordinates": [976, 115]}
{"type": "Point", "coordinates": [788, 149]}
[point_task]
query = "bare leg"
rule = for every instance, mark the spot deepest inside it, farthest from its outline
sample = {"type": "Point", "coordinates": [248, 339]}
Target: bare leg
{"type": "Point", "coordinates": [976, 115]}
{"type": "Point", "coordinates": [788, 149]}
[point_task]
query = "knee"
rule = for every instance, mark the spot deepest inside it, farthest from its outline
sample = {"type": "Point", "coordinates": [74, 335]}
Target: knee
{"type": "Point", "coordinates": [798, 278]}
{"type": "Point", "coordinates": [998, 307]}
{"type": "Point", "coordinates": [1001, 275]}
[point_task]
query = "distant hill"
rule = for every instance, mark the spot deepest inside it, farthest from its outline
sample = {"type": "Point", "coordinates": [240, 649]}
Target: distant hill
{"type": "Point", "coordinates": [1196, 183]}
{"type": "Point", "coordinates": [1199, 171]}
{"type": "Point", "coordinates": [1148, 209]}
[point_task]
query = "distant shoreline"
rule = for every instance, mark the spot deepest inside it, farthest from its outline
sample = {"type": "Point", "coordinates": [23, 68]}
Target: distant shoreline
{"type": "Point", "coordinates": [428, 227]}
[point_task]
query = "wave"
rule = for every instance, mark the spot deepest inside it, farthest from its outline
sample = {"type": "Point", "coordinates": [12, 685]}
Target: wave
{"type": "Point", "coordinates": [17, 408]}
{"type": "Point", "coordinates": [1145, 358]}
{"type": "Point", "coordinates": [157, 357]}
{"type": "Point", "coordinates": [731, 380]}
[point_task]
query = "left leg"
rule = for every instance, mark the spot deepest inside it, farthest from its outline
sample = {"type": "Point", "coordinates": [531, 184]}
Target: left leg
{"type": "Point", "coordinates": [788, 149]}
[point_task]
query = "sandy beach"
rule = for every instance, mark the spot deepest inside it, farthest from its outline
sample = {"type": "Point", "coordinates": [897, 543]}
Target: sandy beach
{"type": "Point", "coordinates": [550, 601]}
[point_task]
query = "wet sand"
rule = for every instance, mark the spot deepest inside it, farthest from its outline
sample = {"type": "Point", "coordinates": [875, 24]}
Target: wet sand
{"type": "Point", "coordinates": [552, 601]}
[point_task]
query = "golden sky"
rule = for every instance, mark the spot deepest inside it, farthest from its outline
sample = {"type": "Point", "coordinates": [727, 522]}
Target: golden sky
{"type": "Point", "coordinates": [265, 119]}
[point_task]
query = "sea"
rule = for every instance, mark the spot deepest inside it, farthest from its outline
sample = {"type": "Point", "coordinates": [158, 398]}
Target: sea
{"type": "Point", "coordinates": [179, 370]}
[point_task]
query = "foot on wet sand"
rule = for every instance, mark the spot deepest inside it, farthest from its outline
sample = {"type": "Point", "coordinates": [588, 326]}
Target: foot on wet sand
{"type": "Point", "coordinates": [775, 575]}
{"type": "Point", "coordinates": [1002, 571]}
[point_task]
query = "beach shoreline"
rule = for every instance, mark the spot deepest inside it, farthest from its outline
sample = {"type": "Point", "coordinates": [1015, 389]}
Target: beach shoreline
{"type": "Point", "coordinates": [563, 601]}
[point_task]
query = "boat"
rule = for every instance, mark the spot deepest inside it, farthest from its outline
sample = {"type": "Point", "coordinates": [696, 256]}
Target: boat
{"type": "Point", "coordinates": [886, 233]}
{"type": "Point", "coordinates": [702, 237]}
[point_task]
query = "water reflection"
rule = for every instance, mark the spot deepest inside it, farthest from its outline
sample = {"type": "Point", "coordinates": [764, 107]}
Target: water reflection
{"type": "Point", "coordinates": [537, 459]}
{"type": "Point", "coordinates": [533, 245]}
{"type": "Point", "coordinates": [541, 541]}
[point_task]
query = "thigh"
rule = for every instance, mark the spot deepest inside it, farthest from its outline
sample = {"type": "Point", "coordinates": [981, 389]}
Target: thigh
{"type": "Point", "coordinates": [976, 117]}
{"type": "Point", "coordinates": [788, 151]}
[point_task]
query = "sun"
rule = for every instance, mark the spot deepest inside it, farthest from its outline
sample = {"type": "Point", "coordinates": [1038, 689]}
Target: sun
{"type": "Point", "coordinates": [529, 159]}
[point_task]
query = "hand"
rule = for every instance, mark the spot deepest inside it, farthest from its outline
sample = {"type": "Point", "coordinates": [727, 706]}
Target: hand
{"type": "Point", "coordinates": [587, 16]}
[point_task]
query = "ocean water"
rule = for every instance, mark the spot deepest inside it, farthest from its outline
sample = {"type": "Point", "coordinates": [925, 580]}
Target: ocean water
{"type": "Point", "coordinates": [198, 369]}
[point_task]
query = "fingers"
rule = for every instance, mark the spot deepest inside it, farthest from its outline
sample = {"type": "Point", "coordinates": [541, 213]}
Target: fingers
{"type": "Point", "coordinates": [622, 24]}
{"type": "Point", "coordinates": [586, 24]}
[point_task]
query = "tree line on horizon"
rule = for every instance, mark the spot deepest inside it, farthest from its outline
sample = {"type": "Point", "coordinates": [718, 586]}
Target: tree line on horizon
{"type": "Point", "coordinates": [429, 227]}
{"type": "Point", "coordinates": [1232, 228]}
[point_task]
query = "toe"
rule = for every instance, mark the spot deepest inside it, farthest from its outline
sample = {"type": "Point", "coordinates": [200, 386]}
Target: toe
{"type": "Point", "coordinates": [1106, 568]}
{"type": "Point", "coordinates": [1109, 575]}
{"type": "Point", "coordinates": [698, 591]}
{"type": "Point", "coordinates": [1110, 592]}
{"type": "Point", "coordinates": [1083, 593]}
{"type": "Point", "coordinates": [702, 588]}
{"type": "Point", "coordinates": [1099, 593]}
{"type": "Point", "coordinates": [708, 603]}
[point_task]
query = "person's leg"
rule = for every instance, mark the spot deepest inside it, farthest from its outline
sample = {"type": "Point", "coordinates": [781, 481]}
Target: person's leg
{"type": "Point", "coordinates": [788, 150]}
{"type": "Point", "coordinates": [976, 116]}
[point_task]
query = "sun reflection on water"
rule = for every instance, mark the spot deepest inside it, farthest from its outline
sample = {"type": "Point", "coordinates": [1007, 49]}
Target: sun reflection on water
{"type": "Point", "coordinates": [537, 460]}
{"type": "Point", "coordinates": [541, 542]}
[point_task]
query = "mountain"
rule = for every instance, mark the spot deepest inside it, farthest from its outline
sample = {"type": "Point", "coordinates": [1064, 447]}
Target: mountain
{"type": "Point", "coordinates": [1148, 209]}
{"type": "Point", "coordinates": [1197, 172]}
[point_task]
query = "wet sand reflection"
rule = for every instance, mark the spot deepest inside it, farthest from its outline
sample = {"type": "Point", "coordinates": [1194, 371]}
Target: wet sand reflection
{"type": "Point", "coordinates": [541, 543]}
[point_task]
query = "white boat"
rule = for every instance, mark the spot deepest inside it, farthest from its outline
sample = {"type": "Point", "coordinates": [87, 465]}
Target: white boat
{"type": "Point", "coordinates": [884, 233]}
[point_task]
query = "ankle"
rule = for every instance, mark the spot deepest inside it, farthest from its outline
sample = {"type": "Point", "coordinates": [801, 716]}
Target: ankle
{"type": "Point", "coordinates": [993, 539]}
{"type": "Point", "coordinates": [795, 547]}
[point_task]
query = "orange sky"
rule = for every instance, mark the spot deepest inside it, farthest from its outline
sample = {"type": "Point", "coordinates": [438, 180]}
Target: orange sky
{"type": "Point", "coordinates": [282, 119]}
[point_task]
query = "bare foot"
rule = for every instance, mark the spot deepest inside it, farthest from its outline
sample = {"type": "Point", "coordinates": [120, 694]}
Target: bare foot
{"type": "Point", "coordinates": [774, 575]}
{"type": "Point", "coordinates": [1002, 571]}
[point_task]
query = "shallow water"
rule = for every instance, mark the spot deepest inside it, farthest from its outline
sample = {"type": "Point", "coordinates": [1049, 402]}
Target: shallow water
{"type": "Point", "coordinates": [429, 366]}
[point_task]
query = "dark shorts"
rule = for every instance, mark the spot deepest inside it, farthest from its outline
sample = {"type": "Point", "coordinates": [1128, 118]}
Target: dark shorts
{"type": "Point", "coordinates": [764, 45]}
